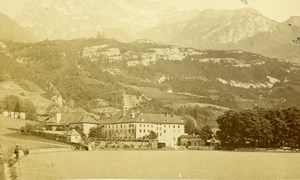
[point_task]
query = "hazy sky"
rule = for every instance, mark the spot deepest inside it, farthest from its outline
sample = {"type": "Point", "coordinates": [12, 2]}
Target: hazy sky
{"type": "Point", "coordinates": [279, 10]}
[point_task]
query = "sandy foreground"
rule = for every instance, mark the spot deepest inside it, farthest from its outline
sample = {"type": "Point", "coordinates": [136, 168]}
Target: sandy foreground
{"type": "Point", "coordinates": [161, 164]}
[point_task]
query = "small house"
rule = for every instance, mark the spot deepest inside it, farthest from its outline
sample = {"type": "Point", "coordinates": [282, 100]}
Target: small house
{"type": "Point", "coordinates": [73, 136]}
{"type": "Point", "coordinates": [5, 113]}
{"type": "Point", "coordinates": [85, 122]}
{"type": "Point", "coordinates": [22, 115]}
{"type": "Point", "coordinates": [15, 115]}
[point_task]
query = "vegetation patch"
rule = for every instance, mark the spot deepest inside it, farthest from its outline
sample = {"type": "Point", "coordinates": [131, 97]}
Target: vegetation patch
{"type": "Point", "coordinates": [260, 128]}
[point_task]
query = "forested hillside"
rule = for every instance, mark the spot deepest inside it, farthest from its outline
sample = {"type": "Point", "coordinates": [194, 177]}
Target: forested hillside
{"type": "Point", "coordinates": [93, 74]}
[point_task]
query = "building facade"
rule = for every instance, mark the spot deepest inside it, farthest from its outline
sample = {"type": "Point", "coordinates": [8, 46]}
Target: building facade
{"type": "Point", "coordinates": [135, 126]}
{"type": "Point", "coordinates": [73, 136]}
{"type": "Point", "coordinates": [83, 121]}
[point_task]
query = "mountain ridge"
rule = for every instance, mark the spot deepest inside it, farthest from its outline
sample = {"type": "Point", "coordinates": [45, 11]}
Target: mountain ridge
{"type": "Point", "coordinates": [231, 29]}
{"type": "Point", "coordinates": [10, 30]}
{"type": "Point", "coordinates": [226, 78]}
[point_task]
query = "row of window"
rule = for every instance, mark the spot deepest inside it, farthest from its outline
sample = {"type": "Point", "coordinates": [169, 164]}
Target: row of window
{"type": "Point", "coordinates": [174, 126]}
{"type": "Point", "coordinates": [125, 137]}
{"type": "Point", "coordinates": [132, 131]}
{"type": "Point", "coordinates": [144, 125]}
{"type": "Point", "coordinates": [165, 131]}
{"type": "Point", "coordinates": [112, 131]}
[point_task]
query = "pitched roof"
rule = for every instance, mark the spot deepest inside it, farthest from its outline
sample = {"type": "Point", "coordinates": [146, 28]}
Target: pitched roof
{"type": "Point", "coordinates": [73, 118]}
{"type": "Point", "coordinates": [73, 132]}
{"type": "Point", "coordinates": [143, 118]}
{"type": "Point", "coordinates": [105, 115]}
{"type": "Point", "coordinates": [84, 118]}
{"type": "Point", "coordinates": [52, 121]}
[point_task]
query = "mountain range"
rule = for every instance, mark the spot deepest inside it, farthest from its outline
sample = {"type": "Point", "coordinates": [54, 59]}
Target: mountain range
{"type": "Point", "coordinates": [10, 30]}
{"type": "Point", "coordinates": [69, 19]}
{"type": "Point", "coordinates": [244, 29]}
{"type": "Point", "coordinates": [219, 60]}
{"type": "Point", "coordinates": [128, 20]}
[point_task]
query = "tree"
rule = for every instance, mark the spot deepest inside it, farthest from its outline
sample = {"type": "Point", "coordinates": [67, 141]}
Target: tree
{"type": "Point", "coordinates": [189, 125]}
{"type": "Point", "coordinates": [231, 126]}
{"type": "Point", "coordinates": [260, 128]}
{"type": "Point", "coordinates": [97, 132]}
{"type": "Point", "coordinates": [10, 102]}
{"type": "Point", "coordinates": [206, 132]}
{"type": "Point", "coordinates": [152, 135]}
{"type": "Point", "coordinates": [17, 107]}
{"type": "Point", "coordinates": [15, 104]}
{"type": "Point", "coordinates": [29, 109]}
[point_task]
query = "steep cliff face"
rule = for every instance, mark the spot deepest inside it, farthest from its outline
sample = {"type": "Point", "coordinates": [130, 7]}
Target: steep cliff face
{"type": "Point", "coordinates": [214, 27]}
{"type": "Point", "coordinates": [244, 29]}
{"type": "Point", "coordinates": [87, 70]}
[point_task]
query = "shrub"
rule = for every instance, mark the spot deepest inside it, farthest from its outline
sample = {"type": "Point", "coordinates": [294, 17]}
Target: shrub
{"type": "Point", "coordinates": [126, 146]}
{"type": "Point", "coordinates": [96, 132]}
{"type": "Point", "coordinates": [29, 127]}
{"type": "Point", "coordinates": [59, 129]}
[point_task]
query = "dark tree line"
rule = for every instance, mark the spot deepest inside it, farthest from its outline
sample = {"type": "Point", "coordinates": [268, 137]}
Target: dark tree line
{"type": "Point", "coordinates": [16, 104]}
{"type": "Point", "coordinates": [266, 128]}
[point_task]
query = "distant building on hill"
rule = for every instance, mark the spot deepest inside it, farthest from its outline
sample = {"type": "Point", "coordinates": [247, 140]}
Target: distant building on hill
{"type": "Point", "coordinates": [82, 120]}
{"type": "Point", "coordinates": [133, 126]}
{"type": "Point", "coordinates": [15, 115]}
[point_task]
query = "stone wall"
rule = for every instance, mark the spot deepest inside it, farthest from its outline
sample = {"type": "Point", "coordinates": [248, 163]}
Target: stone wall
{"type": "Point", "coordinates": [103, 144]}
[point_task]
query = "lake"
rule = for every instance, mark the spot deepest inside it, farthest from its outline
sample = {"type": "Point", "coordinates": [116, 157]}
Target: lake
{"type": "Point", "coordinates": [161, 164]}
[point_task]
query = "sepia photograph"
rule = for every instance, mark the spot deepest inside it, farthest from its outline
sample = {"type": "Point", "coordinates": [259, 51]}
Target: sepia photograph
{"type": "Point", "coordinates": [149, 89]}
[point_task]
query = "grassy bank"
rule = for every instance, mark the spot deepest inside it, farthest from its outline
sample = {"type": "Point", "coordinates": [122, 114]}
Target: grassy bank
{"type": "Point", "coordinates": [10, 136]}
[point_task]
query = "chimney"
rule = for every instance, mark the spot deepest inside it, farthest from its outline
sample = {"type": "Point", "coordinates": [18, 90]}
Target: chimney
{"type": "Point", "coordinates": [58, 117]}
{"type": "Point", "coordinates": [132, 114]}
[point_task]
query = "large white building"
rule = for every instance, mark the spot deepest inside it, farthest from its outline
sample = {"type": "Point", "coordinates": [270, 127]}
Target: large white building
{"type": "Point", "coordinates": [133, 126]}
